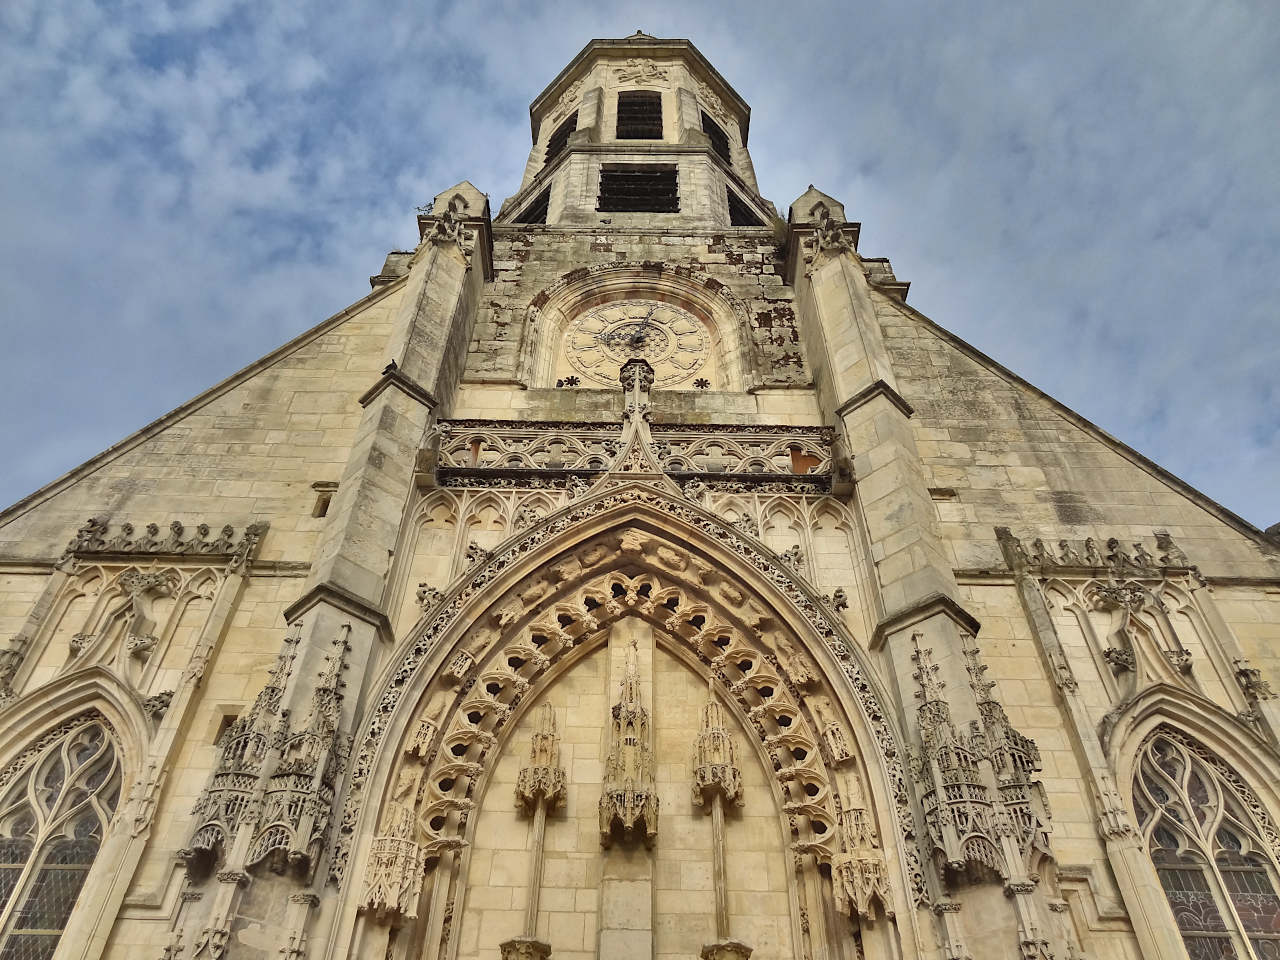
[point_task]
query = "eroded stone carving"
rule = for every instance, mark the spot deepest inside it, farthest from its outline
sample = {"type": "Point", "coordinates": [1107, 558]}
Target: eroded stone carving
{"type": "Point", "coordinates": [639, 70]}
{"type": "Point", "coordinates": [93, 538]}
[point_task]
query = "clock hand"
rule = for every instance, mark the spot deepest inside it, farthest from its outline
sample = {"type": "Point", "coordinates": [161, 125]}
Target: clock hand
{"type": "Point", "coordinates": [638, 336]}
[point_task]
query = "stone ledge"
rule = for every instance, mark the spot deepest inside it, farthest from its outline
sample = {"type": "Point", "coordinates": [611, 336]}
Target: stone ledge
{"type": "Point", "coordinates": [343, 600]}
{"type": "Point", "coordinates": [877, 389]}
{"type": "Point", "coordinates": [930, 606]}
{"type": "Point", "coordinates": [393, 376]}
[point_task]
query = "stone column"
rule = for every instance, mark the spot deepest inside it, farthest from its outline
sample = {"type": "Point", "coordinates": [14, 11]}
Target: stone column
{"type": "Point", "coordinates": [540, 785]}
{"type": "Point", "coordinates": [716, 782]}
{"type": "Point", "coordinates": [628, 800]}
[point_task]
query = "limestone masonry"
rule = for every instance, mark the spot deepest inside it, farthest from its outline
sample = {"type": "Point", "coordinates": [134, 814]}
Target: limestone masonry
{"type": "Point", "coordinates": [632, 573]}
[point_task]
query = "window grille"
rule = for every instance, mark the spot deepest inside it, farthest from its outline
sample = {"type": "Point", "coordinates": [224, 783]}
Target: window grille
{"type": "Point", "coordinates": [560, 138]}
{"type": "Point", "coordinates": [1209, 839]}
{"type": "Point", "coordinates": [639, 115]}
{"type": "Point", "coordinates": [638, 189]}
{"type": "Point", "coordinates": [536, 212]}
{"type": "Point", "coordinates": [53, 816]}
{"type": "Point", "coordinates": [741, 215]}
{"type": "Point", "coordinates": [719, 139]}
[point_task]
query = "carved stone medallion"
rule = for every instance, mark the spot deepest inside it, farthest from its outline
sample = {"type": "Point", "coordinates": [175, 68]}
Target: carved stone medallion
{"type": "Point", "coordinates": [673, 341]}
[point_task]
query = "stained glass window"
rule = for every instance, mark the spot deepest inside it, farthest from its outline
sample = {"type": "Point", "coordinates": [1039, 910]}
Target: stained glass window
{"type": "Point", "coordinates": [55, 803]}
{"type": "Point", "coordinates": [1214, 848]}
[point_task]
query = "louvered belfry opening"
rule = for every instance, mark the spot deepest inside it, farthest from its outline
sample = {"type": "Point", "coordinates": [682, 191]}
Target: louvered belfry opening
{"type": "Point", "coordinates": [741, 215]}
{"type": "Point", "coordinates": [560, 138]}
{"type": "Point", "coordinates": [636, 188]}
{"type": "Point", "coordinates": [719, 139]}
{"type": "Point", "coordinates": [639, 115]}
{"type": "Point", "coordinates": [536, 212]}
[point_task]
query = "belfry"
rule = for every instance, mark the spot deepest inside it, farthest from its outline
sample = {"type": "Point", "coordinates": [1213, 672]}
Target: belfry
{"type": "Point", "coordinates": [633, 574]}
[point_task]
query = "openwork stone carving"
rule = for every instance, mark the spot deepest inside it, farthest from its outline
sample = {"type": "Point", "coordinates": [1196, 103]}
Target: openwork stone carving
{"type": "Point", "coordinates": [629, 798]}
{"type": "Point", "coordinates": [978, 786]}
{"type": "Point", "coordinates": [475, 451]}
{"type": "Point", "coordinates": [859, 875]}
{"type": "Point", "coordinates": [542, 779]}
{"type": "Point", "coordinates": [715, 769]}
{"type": "Point", "coordinates": [275, 779]}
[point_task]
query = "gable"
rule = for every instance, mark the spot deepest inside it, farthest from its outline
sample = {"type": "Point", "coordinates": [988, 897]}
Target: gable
{"type": "Point", "coordinates": [248, 449]}
{"type": "Point", "coordinates": [1016, 457]}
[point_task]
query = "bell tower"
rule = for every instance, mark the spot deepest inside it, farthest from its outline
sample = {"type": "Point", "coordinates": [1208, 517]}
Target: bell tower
{"type": "Point", "coordinates": [639, 132]}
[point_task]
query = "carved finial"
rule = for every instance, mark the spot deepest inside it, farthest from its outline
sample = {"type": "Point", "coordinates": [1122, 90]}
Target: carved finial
{"type": "Point", "coordinates": [926, 672]}
{"type": "Point", "coordinates": [714, 761]}
{"type": "Point", "coordinates": [977, 670]}
{"type": "Point", "coordinates": [543, 778]}
{"type": "Point", "coordinates": [628, 800]}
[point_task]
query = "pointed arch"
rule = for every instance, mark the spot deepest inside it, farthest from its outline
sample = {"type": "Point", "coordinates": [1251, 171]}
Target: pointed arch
{"type": "Point", "coordinates": [530, 570]}
{"type": "Point", "coordinates": [1229, 737]}
{"type": "Point", "coordinates": [78, 850]}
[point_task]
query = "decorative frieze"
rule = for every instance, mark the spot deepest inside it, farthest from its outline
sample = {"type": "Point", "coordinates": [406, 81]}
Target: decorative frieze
{"type": "Point", "coordinates": [1113, 556]}
{"type": "Point", "coordinates": [95, 538]}
{"type": "Point", "coordinates": [536, 453]}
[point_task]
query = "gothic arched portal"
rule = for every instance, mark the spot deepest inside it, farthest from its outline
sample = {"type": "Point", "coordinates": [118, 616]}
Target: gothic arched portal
{"type": "Point", "coordinates": [542, 618]}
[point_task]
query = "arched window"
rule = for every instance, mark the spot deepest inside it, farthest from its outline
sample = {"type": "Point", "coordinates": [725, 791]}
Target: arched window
{"type": "Point", "coordinates": [55, 803]}
{"type": "Point", "coordinates": [1214, 849]}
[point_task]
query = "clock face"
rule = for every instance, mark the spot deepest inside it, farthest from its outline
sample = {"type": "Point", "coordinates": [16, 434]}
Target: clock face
{"type": "Point", "coordinates": [601, 340]}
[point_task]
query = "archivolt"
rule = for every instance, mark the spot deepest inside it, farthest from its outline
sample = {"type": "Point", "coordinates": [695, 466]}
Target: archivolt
{"type": "Point", "coordinates": [505, 605]}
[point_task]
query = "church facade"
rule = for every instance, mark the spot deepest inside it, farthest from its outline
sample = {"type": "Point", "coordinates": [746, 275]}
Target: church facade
{"type": "Point", "coordinates": [633, 573]}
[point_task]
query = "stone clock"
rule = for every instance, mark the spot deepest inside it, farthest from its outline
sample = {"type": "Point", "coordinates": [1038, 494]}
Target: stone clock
{"type": "Point", "coordinates": [602, 339]}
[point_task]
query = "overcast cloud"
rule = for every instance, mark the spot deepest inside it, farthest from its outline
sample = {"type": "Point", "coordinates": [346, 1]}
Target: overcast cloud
{"type": "Point", "coordinates": [1088, 192]}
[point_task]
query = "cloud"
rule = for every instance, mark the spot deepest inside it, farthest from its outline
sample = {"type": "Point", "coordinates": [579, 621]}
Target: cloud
{"type": "Point", "coordinates": [1085, 192]}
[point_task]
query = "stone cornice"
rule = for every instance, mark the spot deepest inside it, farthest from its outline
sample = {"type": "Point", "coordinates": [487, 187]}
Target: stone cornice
{"type": "Point", "coordinates": [393, 376]}
{"type": "Point", "coordinates": [877, 389]}
{"type": "Point", "coordinates": [922, 610]}
{"type": "Point", "coordinates": [342, 600]}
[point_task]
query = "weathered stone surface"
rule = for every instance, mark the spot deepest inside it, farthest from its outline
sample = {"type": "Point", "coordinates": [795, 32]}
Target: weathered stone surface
{"type": "Point", "coordinates": [910, 631]}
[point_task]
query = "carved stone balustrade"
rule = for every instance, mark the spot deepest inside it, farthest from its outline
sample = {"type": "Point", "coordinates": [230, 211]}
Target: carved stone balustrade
{"type": "Point", "coordinates": [508, 453]}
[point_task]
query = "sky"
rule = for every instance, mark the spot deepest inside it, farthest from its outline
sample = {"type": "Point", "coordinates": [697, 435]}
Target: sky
{"type": "Point", "coordinates": [1087, 192]}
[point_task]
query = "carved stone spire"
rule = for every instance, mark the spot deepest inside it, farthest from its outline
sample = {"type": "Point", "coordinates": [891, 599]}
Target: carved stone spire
{"type": "Point", "coordinates": [629, 800]}
{"type": "Point", "coordinates": [540, 786]}
{"type": "Point", "coordinates": [717, 781]}
{"type": "Point", "coordinates": [715, 770]}
{"type": "Point", "coordinates": [542, 780]}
